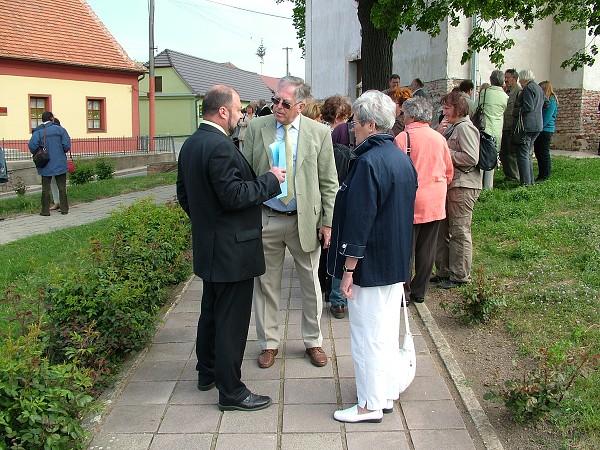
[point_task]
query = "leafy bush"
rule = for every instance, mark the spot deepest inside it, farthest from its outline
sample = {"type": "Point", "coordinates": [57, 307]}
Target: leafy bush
{"type": "Point", "coordinates": [84, 172]}
{"type": "Point", "coordinates": [123, 288]}
{"type": "Point", "coordinates": [105, 169]}
{"type": "Point", "coordinates": [481, 302]}
{"type": "Point", "coordinates": [539, 394]}
{"type": "Point", "coordinates": [41, 404]}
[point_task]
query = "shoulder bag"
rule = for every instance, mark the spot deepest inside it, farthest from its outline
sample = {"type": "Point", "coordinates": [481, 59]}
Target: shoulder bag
{"type": "Point", "coordinates": [407, 357]}
{"type": "Point", "coordinates": [41, 158]}
{"type": "Point", "coordinates": [478, 118]}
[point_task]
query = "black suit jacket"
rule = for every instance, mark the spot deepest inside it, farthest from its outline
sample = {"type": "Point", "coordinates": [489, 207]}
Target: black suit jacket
{"type": "Point", "coordinates": [220, 193]}
{"type": "Point", "coordinates": [264, 111]}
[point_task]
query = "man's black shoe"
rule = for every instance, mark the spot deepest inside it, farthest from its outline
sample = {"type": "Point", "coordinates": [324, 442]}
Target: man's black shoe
{"type": "Point", "coordinates": [449, 284]}
{"type": "Point", "coordinates": [416, 299]}
{"type": "Point", "coordinates": [253, 402]}
{"type": "Point", "coordinates": [206, 387]}
{"type": "Point", "coordinates": [438, 279]}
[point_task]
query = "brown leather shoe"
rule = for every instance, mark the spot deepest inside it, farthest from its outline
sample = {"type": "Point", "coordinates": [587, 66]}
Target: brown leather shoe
{"type": "Point", "coordinates": [267, 358]}
{"type": "Point", "coordinates": [317, 356]}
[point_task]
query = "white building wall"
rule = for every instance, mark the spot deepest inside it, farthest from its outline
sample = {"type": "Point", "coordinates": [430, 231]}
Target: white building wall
{"type": "Point", "coordinates": [417, 55]}
{"type": "Point", "coordinates": [332, 40]}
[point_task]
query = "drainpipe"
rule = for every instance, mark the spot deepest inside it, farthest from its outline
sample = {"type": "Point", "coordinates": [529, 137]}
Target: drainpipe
{"type": "Point", "coordinates": [151, 90]}
{"type": "Point", "coordinates": [474, 60]}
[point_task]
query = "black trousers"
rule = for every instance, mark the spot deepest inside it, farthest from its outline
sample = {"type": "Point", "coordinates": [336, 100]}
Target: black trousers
{"type": "Point", "coordinates": [61, 182]}
{"type": "Point", "coordinates": [424, 247]}
{"type": "Point", "coordinates": [221, 339]}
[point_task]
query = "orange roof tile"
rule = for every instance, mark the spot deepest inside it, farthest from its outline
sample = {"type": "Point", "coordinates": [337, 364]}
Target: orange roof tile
{"type": "Point", "coordinates": [65, 32]}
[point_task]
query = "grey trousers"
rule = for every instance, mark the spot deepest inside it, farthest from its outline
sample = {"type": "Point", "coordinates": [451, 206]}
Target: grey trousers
{"type": "Point", "coordinates": [454, 254]}
{"type": "Point", "coordinates": [508, 157]}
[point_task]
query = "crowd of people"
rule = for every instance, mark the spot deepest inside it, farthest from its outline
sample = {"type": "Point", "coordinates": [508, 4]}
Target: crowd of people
{"type": "Point", "coordinates": [367, 198]}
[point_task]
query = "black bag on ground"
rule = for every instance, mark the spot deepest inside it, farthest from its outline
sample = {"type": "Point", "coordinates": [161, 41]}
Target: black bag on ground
{"type": "Point", "coordinates": [41, 158]}
{"type": "Point", "coordinates": [488, 154]}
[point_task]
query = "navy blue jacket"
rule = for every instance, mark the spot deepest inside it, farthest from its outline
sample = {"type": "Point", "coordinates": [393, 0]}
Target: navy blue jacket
{"type": "Point", "coordinates": [373, 215]}
{"type": "Point", "coordinates": [58, 143]}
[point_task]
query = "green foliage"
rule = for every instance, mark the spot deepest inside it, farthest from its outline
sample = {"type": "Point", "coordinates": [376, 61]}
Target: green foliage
{"type": "Point", "coordinates": [539, 394]}
{"type": "Point", "coordinates": [41, 404]}
{"type": "Point", "coordinates": [481, 301]}
{"type": "Point", "coordinates": [84, 172]}
{"type": "Point", "coordinates": [105, 169]}
{"type": "Point", "coordinates": [111, 305]}
{"type": "Point", "coordinates": [299, 21]}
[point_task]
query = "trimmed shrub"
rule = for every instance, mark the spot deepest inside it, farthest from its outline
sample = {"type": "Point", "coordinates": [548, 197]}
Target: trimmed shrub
{"type": "Point", "coordinates": [105, 169]}
{"type": "Point", "coordinates": [84, 172]}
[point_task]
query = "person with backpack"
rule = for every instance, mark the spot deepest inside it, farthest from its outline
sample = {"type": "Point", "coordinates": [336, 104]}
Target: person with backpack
{"type": "Point", "coordinates": [454, 253]}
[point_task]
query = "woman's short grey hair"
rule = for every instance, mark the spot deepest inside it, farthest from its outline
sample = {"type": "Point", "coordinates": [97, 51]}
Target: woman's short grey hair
{"type": "Point", "coordinates": [497, 78]}
{"type": "Point", "coordinates": [418, 108]}
{"type": "Point", "coordinates": [526, 75]}
{"type": "Point", "coordinates": [375, 106]}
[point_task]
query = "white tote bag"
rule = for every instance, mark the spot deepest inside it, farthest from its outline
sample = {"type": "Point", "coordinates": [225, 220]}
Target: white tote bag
{"type": "Point", "coordinates": [407, 358]}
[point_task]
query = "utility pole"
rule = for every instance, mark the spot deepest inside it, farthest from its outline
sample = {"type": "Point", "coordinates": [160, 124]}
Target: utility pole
{"type": "Point", "coordinates": [287, 61]}
{"type": "Point", "coordinates": [151, 90]}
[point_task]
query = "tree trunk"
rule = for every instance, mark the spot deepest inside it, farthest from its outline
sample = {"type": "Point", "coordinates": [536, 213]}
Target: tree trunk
{"type": "Point", "coordinates": [376, 50]}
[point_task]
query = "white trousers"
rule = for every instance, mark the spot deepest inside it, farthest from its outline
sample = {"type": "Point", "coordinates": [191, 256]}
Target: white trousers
{"type": "Point", "coordinates": [374, 329]}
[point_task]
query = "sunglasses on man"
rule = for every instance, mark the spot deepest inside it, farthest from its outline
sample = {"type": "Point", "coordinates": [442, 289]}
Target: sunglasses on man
{"type": "Point", "coordinates": [284, 103]}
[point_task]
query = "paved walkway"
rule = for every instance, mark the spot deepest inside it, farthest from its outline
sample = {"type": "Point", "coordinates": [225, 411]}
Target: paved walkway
{"type": "Point", "coordinates": [156, 405]}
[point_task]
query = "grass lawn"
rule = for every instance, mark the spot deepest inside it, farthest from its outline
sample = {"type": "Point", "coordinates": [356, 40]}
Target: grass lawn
{"type": "Point", "coordinates": [30, 203]}
{"type": "Point", "coordinates": [543, 243]}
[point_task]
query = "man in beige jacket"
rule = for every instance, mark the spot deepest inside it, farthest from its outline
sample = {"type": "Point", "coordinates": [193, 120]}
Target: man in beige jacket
{"type": "Point", "coordinates": [297, 221]}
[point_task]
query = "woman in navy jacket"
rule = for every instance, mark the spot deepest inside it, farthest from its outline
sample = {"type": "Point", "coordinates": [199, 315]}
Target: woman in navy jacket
{"type": "Point", "coordinates": [57, 142]}
{"type": "Point", "coordinates": [370, 251]}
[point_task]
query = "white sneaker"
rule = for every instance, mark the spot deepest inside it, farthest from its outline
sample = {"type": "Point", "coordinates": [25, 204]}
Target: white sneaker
{"type": "Point", "coordinates": [351, 415]}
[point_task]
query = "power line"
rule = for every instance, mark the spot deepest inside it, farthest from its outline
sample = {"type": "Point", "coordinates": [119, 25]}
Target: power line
{"type": "Point", "coordinates": [241, 9]}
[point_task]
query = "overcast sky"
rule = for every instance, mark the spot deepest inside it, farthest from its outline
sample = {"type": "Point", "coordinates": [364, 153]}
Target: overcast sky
{"type": "Point", "coordinates": [208, 29]}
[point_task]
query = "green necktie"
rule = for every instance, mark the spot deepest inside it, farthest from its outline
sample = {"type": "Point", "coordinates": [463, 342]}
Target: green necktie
{"type": "Point", "coordinates": [289, 165]}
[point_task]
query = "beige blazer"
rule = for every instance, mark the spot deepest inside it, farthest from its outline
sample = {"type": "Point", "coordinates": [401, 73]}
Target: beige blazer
{"type": "Point", "coordinates": [316, 177]}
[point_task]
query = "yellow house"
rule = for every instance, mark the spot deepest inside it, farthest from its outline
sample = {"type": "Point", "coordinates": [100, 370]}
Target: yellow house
{"type": "Point", "coordinates": [59, 57]}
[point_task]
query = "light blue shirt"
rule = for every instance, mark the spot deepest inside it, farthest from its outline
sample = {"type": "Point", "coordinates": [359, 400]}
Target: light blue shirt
{"type": "Point", "coordinates": [275, 203]}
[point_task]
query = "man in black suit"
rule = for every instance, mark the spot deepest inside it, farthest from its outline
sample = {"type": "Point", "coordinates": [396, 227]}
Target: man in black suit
{"type": "Point", "coordinates": [263, 108]}
{"type": "Point", "coordinates": [221, 194]}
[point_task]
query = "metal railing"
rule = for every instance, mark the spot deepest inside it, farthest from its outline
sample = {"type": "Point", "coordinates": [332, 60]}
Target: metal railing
{"type": "Point", "coordinates": [18, 150]}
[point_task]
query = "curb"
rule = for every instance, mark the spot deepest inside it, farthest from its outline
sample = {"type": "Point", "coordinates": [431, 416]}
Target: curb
{"type": "Point", "coordinates": [480, 419]}
{"type": "Point", "coordinates": [94, 421]}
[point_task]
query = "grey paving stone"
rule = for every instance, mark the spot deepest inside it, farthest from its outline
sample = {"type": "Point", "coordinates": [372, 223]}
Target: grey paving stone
{"type": "Point", "coordinates": [121, 441]}
{"type": "Point", "coordinates": [178, 320]}
{"type": "Point", "coordinates": [340, 329]}
{"type": "Point", "coordinates": [432, 415]}
{"type": "Point", "coordinates": [187, 306]}
{"type": "Point", "coordinates": [310, 419]}
{"type": "Point", "coordinates": [294, 331]}
{"type": "Point", "coordinates": [182, 442]}
{"type": "Point", "coordinates": [134, 419]}
{"type": "Point", "coordinates": [263, 421]}
{"type": "Point", "coordinates": [348, 389]}
{"type": "Point", "coordinates": [425, 366]}
{"type": "Point", "coordinates": [190, 419]}
{"type": "Point", "coordinates": [427, 388]}
{"type": "Point", "coordinates": [381, 440]}
{"type": "Point", "coordinates": [189, 371]}
{"type": "Point", "coordinates": [294, 316]}
{"type": "Point", "coordinates": [252, 349]}
{"type": "Point", "coordinates": [302, 368]}
{"type": "Point", "coordinates": [173, 335]}
{"type": "Point", "coordinates": [158, 371]}
{"type": "Point", "coordinates": [451, 439]}
{"type": "Point", "coordinates": [170, 351]}
{"type": "Point", "coordinates": [187, 393]}
{"type": "Point", "coordinates": [251, 371]}
{"type": "Point", "coordinates": [346, 366]}
{"type": "Point", "coordinates": [420, 345]}
{"type": "Point", "coordinates": [306, 441]}
{"type": "Point", "coordinates": [252, 333]}
{"type": "Point", "coordinates": [342, 346]}
{"type": "Point", "coordinates": [246, 441]}
{"type": "Point", "coordinates": [146, 393]}
{"type": "Point", "coordinates": [309, 391]}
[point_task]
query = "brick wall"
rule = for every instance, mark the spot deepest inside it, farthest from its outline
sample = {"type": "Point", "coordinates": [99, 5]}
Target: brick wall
{"type": "Point", "coordinates": [578, 121]}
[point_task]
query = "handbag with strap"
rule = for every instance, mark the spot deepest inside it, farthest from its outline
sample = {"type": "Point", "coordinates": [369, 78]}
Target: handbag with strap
{"type": "Point", "coordinates": [70, 163]}
{"type": "Point", "coordinates": [41, 158]}
{"type": "Point", "coordinates": [407, 357]}
{"type": "Point", "coordinates": [478, 118]}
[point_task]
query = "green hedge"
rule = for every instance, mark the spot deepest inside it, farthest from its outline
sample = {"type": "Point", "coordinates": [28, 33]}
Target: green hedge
{"type": "Point", "coordinates": [94, 318]}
